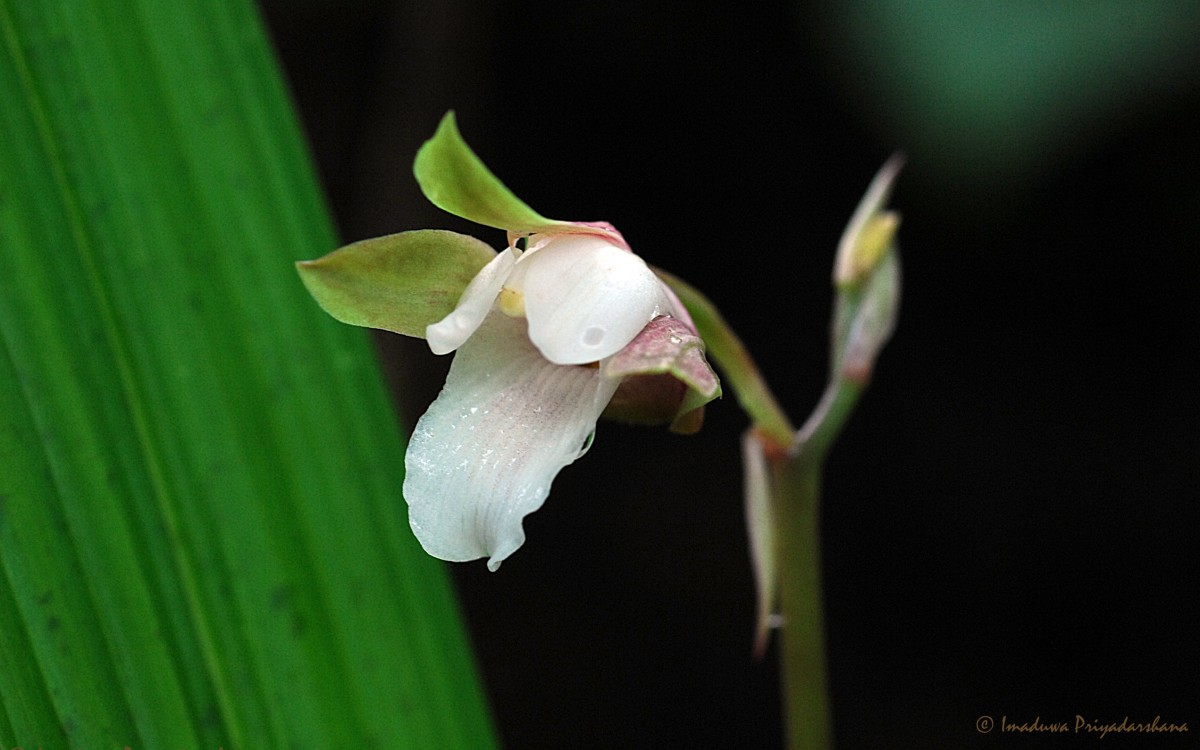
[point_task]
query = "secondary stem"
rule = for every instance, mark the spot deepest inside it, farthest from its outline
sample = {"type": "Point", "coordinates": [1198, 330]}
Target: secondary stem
{"type": "Point", "coordinates": [863, 319]}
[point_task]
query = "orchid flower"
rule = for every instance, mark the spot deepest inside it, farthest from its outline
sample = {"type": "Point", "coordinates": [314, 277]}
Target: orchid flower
{"type": "Point", "coordinates": [563, 325]}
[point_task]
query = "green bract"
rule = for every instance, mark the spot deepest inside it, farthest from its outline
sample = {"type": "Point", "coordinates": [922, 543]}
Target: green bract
{"type": "Point", "coordinates": [401, 282]}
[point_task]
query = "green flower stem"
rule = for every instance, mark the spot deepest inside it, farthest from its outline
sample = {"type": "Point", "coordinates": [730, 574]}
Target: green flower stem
{"type": "Point", "coordinates": [868, 290]}
{"type": "Point", "coordinates": [797, 506]}
{"type": "Point", "coordinates": [802, 639]}
{"type": "Point", "coordinates": [797, 458]}
{"type": "Point", "coordinates": [735, 363]}
{"type": "Point", "coordinates": [864, 317]}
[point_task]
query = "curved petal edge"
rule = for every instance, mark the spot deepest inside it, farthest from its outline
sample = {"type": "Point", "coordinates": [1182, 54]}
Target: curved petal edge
{"type": "Point", "coordinates": [486, 452]}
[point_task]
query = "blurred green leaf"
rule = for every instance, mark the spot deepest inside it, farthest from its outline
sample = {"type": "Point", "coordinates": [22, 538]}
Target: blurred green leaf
{"type": "Point", "coordinates": [985, 91]}
{"type": "Point", "coordinates": [402, 282]}
{"type": "Point", "coordinates": [202, 541]}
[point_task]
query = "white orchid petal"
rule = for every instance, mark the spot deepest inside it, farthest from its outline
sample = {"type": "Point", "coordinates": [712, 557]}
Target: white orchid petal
{"type": "Point", "coordinates": [450, 332]}
{"type": "Point", "coordinates": [586, 298]}
{"type": "Point", "coordinates": [485, 453]}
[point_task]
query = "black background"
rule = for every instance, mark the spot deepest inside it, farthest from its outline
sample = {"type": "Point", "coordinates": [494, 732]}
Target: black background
{"type": "Point", "coordinates": [1010, 518]}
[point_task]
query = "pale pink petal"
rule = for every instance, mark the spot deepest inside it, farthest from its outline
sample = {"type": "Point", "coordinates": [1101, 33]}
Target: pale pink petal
{"type": "Point", "coordinates": [485, 453]}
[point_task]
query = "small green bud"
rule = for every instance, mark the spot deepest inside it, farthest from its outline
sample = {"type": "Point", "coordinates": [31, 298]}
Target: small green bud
{"type": "Point", "coordinates": [870, 230]}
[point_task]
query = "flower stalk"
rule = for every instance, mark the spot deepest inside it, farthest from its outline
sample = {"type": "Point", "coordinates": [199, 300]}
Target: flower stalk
{"type": "Point", "coordinates": [808, 718]}
{"type": "Point", "coordinates": [797, 505]}
{"type": "Point", "coordinates": [784, 466]}
{"type": "Point", "coordinates": [867, 277]}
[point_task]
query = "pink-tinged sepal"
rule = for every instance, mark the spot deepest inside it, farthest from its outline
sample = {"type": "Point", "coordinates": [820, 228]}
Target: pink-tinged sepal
{"type": "Point", "coordinates": [666, 377]}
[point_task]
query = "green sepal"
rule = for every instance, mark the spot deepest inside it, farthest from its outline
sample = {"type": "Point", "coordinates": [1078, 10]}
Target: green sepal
{"type": "Point", "coordinates": [455, 180]}
{"type": "Point", "coordinates": [401, 282]}
{"type": "Point", "coordinates": [728, 353]}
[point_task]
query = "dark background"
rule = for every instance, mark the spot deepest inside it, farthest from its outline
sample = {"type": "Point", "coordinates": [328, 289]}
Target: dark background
{"type": "Point", "coordinates": [1011, 517]}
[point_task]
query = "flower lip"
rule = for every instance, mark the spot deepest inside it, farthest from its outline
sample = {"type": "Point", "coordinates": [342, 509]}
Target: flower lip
{"type": "Point", "coordinates": [486, 452]}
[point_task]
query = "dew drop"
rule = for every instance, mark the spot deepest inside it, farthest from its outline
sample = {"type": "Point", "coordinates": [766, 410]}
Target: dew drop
{"type": "Point", "coordinates": [593, 336]}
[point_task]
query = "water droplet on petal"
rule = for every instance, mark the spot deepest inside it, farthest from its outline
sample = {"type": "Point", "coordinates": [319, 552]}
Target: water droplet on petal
{"type": "Point", "coordinates": [593, 336]}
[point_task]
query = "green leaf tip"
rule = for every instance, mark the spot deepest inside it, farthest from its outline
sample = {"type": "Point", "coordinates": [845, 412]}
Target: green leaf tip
{"type": "Point", "coordinates": [401, 282]}
{"type": "Point", "coordinates": [455, 180]}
